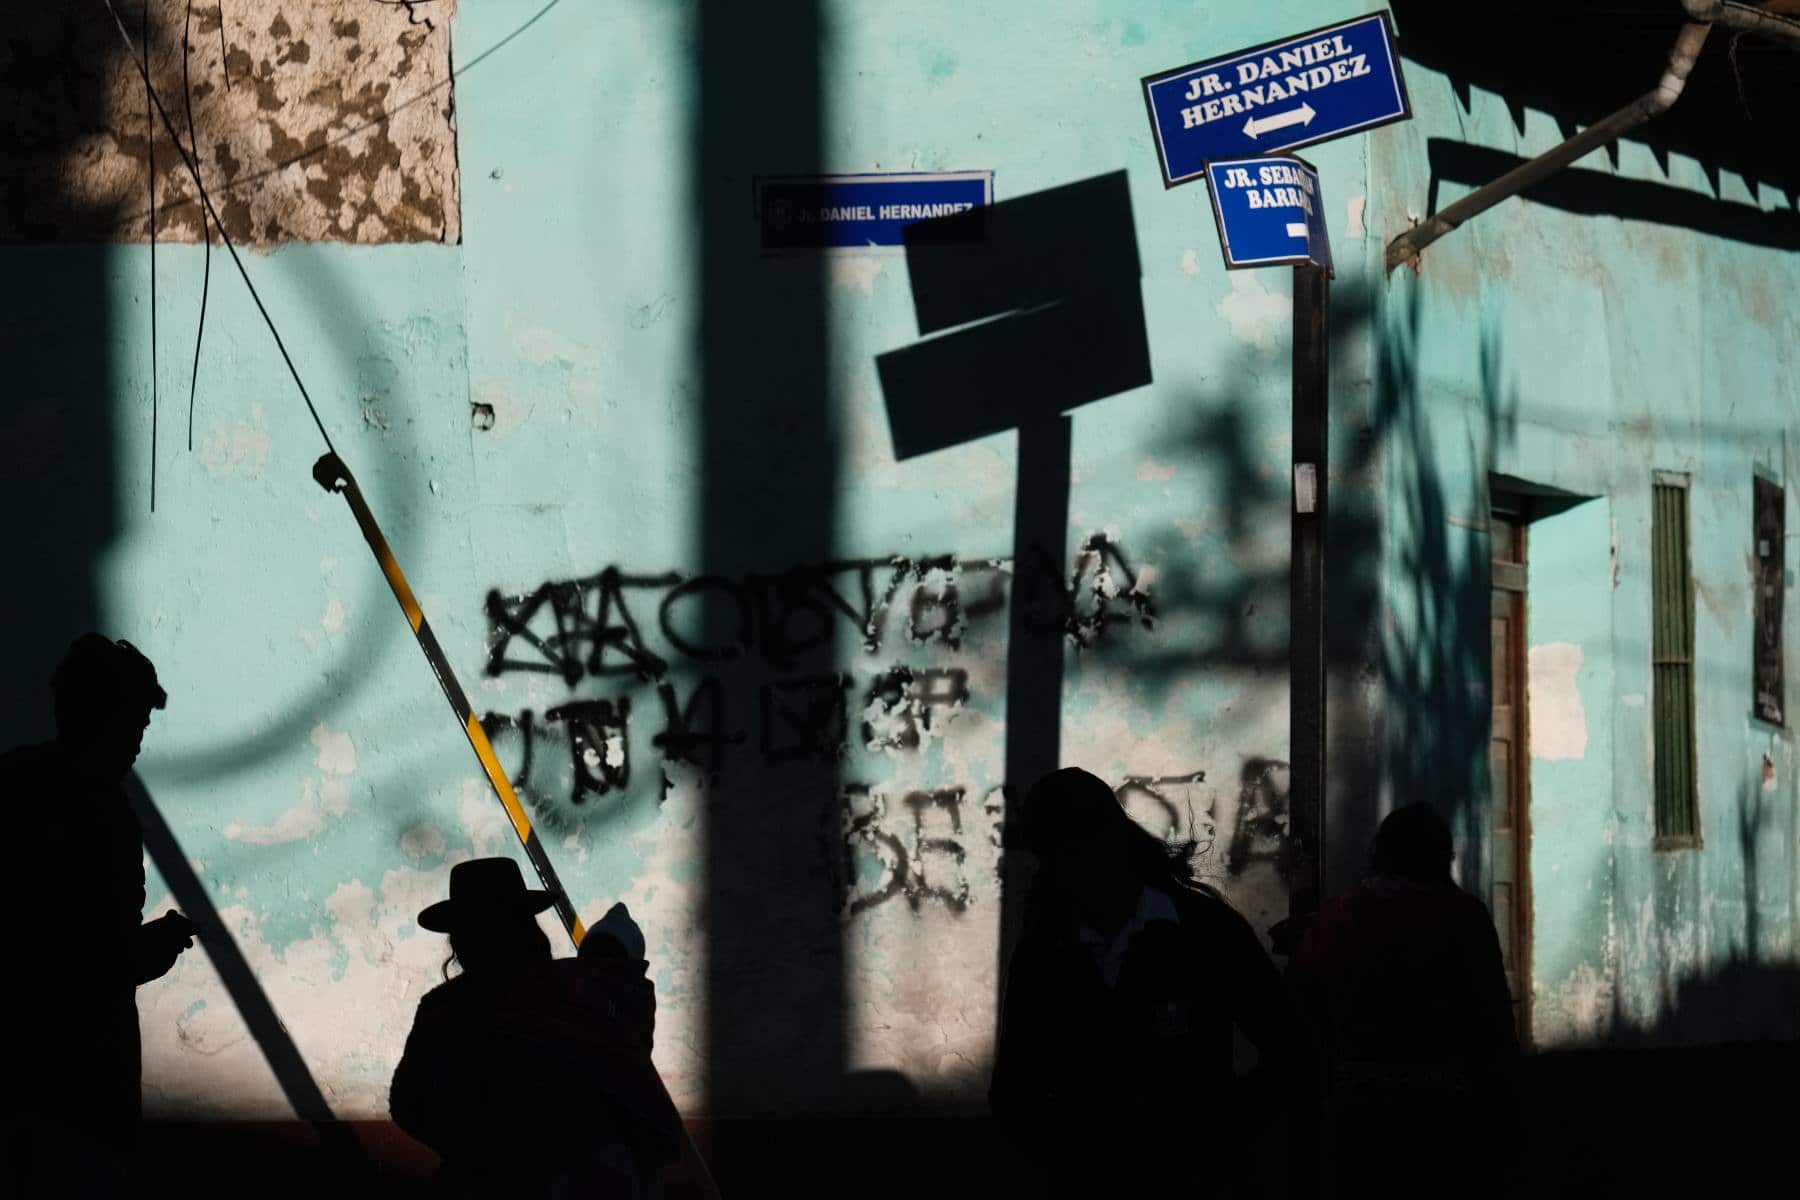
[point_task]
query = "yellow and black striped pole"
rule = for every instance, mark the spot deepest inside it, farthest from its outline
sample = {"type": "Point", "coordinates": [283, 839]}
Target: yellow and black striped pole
{"type": "Point", "coordinates": [334, 476]}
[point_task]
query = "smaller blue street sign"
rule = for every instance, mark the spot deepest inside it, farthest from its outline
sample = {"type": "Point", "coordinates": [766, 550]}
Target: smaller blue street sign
{"type": "Point", "coordinates": [1270, 210]}
{"type": "Point", "coordinates": [844, 212]}
{"type": "Point", "coordinates": [1315, 86]}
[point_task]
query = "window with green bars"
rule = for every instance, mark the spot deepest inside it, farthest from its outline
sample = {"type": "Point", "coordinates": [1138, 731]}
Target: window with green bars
{"type": "Point", "coordinates": [1672, 664]}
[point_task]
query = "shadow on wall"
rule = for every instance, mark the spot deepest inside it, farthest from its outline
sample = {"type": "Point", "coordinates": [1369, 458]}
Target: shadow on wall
{"type": "Point", "coordinates": [1232, 581]}
{"type": "Point", "coordinates": [1046, 291]}
{"type": "Point", "coordinates": [63, 422]}
{"type": "Point", "coordinates": [1746, 997]}
{"type": "Point", "coordinates": [1578, 60]}
{"type": "Point", "coordinates": [1705, 1075]}
{"type": "Point", "coordinates": [769, 462]}
{"type": "Point", "coordinates": [345, 1157]}
{"type": "Point", "coordinates": [58, 431]}
{"type": "Point", "coordinates": [66, 414]}
{"type": "Point", "coordinates": [1434, 731]}
{"type": "Point", "coordinates": [1589, 193]}
{"type": "Point", "coordinates": [1435, 657]}
{"type": "Point", "coordinates": [59, 445]}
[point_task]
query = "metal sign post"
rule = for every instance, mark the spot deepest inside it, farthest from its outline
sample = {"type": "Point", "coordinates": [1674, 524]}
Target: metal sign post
{"type": "Point", "coordinates": [1227, 119]}
{"type": "Point", "coordinates": [1306, 696]}
{"type": "Point", "coordinates": [1270, 210]}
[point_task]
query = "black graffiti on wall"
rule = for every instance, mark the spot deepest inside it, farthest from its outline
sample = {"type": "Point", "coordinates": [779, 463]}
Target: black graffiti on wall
{"type": "Point", "coordinates": [574, 627]}
{"type": "Point", "coordinates": [582, 750]}
{"type": "Point", "coordinates": [633, 629]}
{"type": "Point", "coordinates": [1260, 830]}
{"type": "Point", "coordinates": [1174, 807]}
{"type": "Point", "coordinates": [916, 846]}
{"type": "Point", "coordinates": [694, 732]}
{"type": "Point", "coordinates": [596, 625]}
{"type": "Point", "coordinates": [805, 717]}
{"type": "Point", "coordinates": [906, 705]}
{"type": "Point", "coordinates": [594, 734]}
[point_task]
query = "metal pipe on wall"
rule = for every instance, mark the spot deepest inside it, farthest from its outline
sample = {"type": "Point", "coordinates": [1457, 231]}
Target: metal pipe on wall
{"type": "Point", "coordinates": [1406, 247]}
{"type": "Point", "coordinates": [1745, 18]}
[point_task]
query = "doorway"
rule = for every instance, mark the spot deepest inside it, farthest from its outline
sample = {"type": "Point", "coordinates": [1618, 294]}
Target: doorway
{"type": "Point", "coordinates": [1510, 889]}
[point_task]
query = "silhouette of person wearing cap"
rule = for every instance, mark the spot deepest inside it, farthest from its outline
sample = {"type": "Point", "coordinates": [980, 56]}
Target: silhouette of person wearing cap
{"type": "Point", "coordinates": [71, 1058]}
{"type": "Point", "coordinates": [1115, 1041]}
{"type": "Point", "coordinates": [531, 1076]}
{"type": "Point", "coordinates": [1402, 977]}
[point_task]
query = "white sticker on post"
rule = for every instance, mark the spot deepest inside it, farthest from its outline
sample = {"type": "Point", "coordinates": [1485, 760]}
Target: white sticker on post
{"type": "Point", "coordinates": [1306, 488]}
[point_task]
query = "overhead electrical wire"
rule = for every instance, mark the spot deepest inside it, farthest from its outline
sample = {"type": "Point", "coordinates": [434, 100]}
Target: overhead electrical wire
{"type": "Point", "coordinates": [150, 156]}
{"type": "Point", "coordinates": [206, 202]}
{"type": "Point", "coordinates": [187, 92]}
{"type": "Point", "coordinates": [331, 474]}
{"type": "Point", "coordinates": [224, 54]}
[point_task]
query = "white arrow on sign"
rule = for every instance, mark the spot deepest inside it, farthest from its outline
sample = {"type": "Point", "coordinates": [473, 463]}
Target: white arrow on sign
{"type": "Point", "coordinates": [1256, 127]}
{"type": "Point", "coordinates": [1296, 230]}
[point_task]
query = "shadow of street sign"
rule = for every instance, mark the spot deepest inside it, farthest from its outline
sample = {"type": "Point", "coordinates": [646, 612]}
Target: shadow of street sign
{"type": "Point", "coordinates": [1042, 302]}
{"type": "Point", "coordinates": [1037, 308]}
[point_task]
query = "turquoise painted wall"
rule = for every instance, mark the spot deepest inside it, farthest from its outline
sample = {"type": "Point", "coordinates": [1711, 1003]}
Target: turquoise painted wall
{"type": "Point", "coordinates": [530, 406]}
{"type": "Point", "coordinates": [1584, 353]}
{"type": "Point", "coordinates": [539, 404]}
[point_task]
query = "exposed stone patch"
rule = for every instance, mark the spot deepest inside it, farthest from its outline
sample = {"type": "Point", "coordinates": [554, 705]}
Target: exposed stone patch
{"type": "Point", "coordinates": [300, 111]}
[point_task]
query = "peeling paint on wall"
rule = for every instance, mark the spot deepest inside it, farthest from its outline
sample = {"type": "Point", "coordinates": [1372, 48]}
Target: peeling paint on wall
{"type": "Point", "coordinates": [1558, 723]}
{"type": "Point", "coordinates": [1256, 316]}
{"type": "Point", "coordinates": [239, 452]}
{"type": "Point", "coordinates": [330, 120]}
{"type": "Point", "coordinates": [1586, 1000]}
{"type": "Point", "coordinates": [327, 795]}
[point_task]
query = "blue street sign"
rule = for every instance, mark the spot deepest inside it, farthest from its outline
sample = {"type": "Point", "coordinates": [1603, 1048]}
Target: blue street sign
{"type": "Point", "coordinates": [1270, 210]}
{"type": "Point", "coordinates": [1320, 85]}
{"type": "Point", "coordinates": [822, 212]}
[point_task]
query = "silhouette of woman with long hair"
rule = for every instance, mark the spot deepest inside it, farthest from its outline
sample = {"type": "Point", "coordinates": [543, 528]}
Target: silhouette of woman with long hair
{"type": "Point", "coordinates": [1115, 1060]}
{"type": "Point", "coordinates": [531, 1076]}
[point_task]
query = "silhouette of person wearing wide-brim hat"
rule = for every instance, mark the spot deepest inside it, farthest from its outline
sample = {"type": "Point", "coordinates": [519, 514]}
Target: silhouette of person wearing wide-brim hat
{"type": "Point", "coordinates": [522, 1049]}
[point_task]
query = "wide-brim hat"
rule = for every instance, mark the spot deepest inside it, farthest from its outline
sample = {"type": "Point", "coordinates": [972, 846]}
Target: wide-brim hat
{"type": "Point", "coordinates": [481, 889]}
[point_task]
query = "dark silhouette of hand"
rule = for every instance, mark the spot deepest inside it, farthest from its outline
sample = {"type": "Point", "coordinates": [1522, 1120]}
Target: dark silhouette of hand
{"type": "Point", "coordinates": [160, 943]}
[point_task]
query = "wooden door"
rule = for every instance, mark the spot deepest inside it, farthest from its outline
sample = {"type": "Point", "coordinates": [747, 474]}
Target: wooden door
{"type": "Point", "coordinates": [1510, 896]}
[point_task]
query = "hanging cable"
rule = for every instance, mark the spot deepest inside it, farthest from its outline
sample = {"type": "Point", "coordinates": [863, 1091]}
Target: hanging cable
{"type": "Point", "coordinates": [187, 91]}
{"type": "Point", "coordinates": [206, 202]}
{"type": "Point", "coordinates": [224, 55]}
{"type": "Point", "coordinates": [315, 149]}
{"type": "Point", "coordinates": [331, 474]}
{"type": "Point", "coordinates": [150, 155]}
